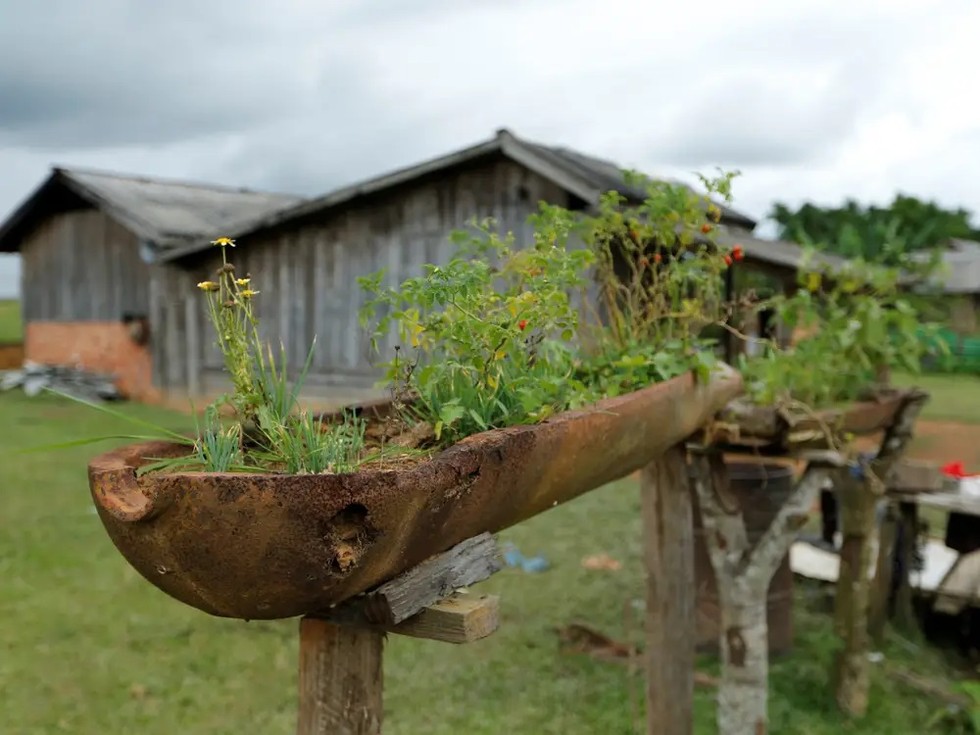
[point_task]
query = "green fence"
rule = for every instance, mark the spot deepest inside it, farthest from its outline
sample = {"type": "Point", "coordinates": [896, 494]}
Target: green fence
{"type": "Point", "coordinates": [964, 355]}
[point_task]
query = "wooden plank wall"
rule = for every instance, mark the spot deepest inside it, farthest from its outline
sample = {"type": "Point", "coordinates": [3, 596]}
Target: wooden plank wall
{"type": "Point", "coordinates": [307, 275]}
{"type": "Point", "coordinates": [82, 266]}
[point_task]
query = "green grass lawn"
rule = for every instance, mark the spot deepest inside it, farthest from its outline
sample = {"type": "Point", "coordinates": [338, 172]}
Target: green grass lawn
{"type": "Point", "coordinates": [952, 397]}
{"type": "Point", "coordinates": [11, 329]}
{"type": "Point", "coordinates": [88, 647]}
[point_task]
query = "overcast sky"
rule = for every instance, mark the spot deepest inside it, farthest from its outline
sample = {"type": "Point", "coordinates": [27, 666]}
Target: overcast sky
{"type": "Point", "coordinates": [811, 99]}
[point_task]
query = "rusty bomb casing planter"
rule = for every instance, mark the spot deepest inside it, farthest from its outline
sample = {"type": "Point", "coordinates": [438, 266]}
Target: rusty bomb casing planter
{"type": "Point", "coordinates": [268, 546]}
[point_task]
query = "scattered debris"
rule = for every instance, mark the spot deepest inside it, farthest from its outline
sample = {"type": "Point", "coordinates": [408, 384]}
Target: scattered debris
{"type": "Point", "coordinates": [579, 638]}
{"type": "Point", "coordinates": [531, 565]}
{"type": "Point", "coordinates": [33, 379]}
{"type": "Point", "coordinates": [601, 562]}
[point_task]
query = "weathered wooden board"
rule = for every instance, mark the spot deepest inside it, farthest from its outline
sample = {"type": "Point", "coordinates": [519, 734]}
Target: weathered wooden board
{"type": "Point", "coordinates": [776, 430]}
{"type": "Point", "coordinates": [469, 562]}
{"type": "Point", "coordinates": [83, 266]}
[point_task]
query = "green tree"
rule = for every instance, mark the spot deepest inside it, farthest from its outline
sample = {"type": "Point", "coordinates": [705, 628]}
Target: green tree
{"type": "Point", "coordinates": [881, 234]}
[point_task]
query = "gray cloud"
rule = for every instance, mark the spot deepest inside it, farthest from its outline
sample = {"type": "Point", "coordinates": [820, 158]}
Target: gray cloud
{"type": "Point", "coordinates": [759, 119]}
{"type": "Point", "coordinates": [80, 75]}
{"type": "Point", "coordinates": [305, 96]}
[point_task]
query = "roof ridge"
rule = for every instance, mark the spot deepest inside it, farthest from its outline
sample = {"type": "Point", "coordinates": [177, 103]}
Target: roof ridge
{"type": "Point", "coordinates": [168, 181]}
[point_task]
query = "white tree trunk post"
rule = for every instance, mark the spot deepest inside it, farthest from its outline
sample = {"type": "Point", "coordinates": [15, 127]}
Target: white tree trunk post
{"type": "Point", "coordinates": [858, 495]}
{"type": "Point", "coordinates": [743, 574]}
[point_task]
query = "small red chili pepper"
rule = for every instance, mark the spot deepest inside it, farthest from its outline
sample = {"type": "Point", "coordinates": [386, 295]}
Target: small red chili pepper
{"type": "Point", "coordinates": [522, 324]}
{"type": "Point", "coordinates": [706, 228]}
{"type": "Point", "coordinates": [737, 252]}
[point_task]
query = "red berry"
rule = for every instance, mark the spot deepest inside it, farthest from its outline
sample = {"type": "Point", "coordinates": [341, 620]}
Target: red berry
{"type": "Point", "coordinates": [706, 228]}
{"type": "Point", "coordinates": [737, 252]}
{"type": "Point", "coordinates": [657, 258]}
{"type": "Point", "coordinates": [522, 324]}
{"type": "Point", "coordinates": [728, 260]}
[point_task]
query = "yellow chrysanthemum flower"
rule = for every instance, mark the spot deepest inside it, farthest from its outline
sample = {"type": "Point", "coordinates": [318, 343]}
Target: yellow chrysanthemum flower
{"type": "Point", "coordinates": [223, 241]}
{"type": "Point", "coordinates": [248, 293]}
{"type": "Point", "coordinates": [208, 286]}
{"type": "Point", "coordinates": [243, 281]}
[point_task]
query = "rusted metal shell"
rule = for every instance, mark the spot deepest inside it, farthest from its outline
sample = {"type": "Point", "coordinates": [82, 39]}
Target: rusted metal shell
{"type": "Point", "coordinates": [264, 546]}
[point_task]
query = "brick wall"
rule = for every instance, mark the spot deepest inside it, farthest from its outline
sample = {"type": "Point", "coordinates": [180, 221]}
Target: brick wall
{"type": "Point", "coordinates": [11, 355]}
{"type": "Point", "coordinates": [104, 347]}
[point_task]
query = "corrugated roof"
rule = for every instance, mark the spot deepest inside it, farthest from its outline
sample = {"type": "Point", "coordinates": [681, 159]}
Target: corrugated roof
{"type": "Point", "coordinates": [170, 214]}
{"type": "Point", "coordinates": [608, 176]}
{"type": "Point", "coordinates": [584, 176]}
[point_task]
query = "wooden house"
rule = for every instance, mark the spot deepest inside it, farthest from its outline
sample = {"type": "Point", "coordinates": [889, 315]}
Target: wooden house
{"type": "Point", "coordinates": [88, 241]}
{"type": "Point", "coordinates": [147, 243]}
{"type": "Point", "coordinates": [306, 258]}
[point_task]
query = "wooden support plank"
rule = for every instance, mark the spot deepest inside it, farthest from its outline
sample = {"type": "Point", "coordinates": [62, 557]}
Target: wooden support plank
{"type": "Point", "coordinates": [457, 619]}
{"type": "Point", "coordinates": [391, 603]}
{"type": "Point", "coordinates": [668, 531]}
{"type": "Point", "coordinates": [340, 679]}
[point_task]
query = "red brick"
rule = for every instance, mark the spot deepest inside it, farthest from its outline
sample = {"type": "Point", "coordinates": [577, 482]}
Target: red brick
{"type": "Point", "coordinates": [102, 347]}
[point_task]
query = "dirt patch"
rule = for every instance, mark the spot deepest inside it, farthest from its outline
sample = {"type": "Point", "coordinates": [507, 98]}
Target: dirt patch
{"type": "Point", "coordinates": [947, 441]}
{"type": "Point", "coordinates": [941, 442]}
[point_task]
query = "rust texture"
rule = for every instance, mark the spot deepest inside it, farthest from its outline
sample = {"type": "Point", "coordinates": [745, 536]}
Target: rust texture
{"type": "Point", "coordinates": [264, 546]}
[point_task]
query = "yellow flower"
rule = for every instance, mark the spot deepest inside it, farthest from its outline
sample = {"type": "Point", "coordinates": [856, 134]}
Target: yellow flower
{"type": "Point", "coordinates": [208, 286]}
{"type": "Point", "coordinates": [223, 241]}
{"type": "Point", "coordinates": [248, 293]}
{"type": "Point", "coordinates": [243, 281]}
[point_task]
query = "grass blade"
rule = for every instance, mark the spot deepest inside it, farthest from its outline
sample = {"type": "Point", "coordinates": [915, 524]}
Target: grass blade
{"type": "Point", "coordinates": [93, 440]}
{"type": "Point", "coordinates": [122, 416]}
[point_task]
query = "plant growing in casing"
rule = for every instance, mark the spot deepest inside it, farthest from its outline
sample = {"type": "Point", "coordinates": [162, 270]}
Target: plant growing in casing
{"type": "Point", "coordinates": [660, 277]}
{"type": "Point", "coordinates": [494, 337]}
{"type": "Point", "coordinates": [486, 334]}
{"type": "Point", "coordinates": [268, 432]}
{"type": "Point", "coordinates": [857, 324]}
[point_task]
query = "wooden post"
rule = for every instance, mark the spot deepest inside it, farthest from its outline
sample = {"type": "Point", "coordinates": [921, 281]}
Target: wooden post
{"type": "Point", "coordinates": [668, 531]}
{"type": "Point", "coordinates": [743, 573]}
{"type": "Point", "coordinates": [858, 495]}
{"type": "Point", "coordinates": [881, 594]}
{"type": "Point", "coordinates": [340, 679]}
{"type": "Point", "coordinates": [340, 661]}
{"type": "Point", "coordinates": [908, 523]}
